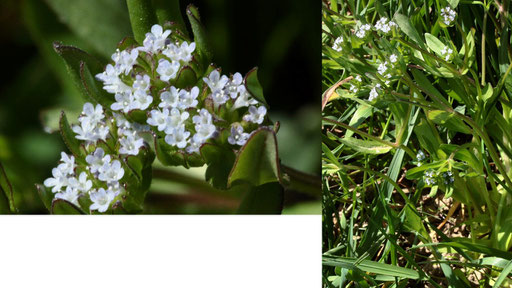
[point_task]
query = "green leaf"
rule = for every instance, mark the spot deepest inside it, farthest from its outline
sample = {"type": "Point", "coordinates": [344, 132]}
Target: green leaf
{"type": "Point", "coordinates": [263, 199]}
{"type": "Point", "coordinates": [405, 24]}
{"type": "Point", "coordinates": [220, 162]}
{"type": "Point", "coordinates": [449, 120]}
{"type": "Point", "coordinates": [427, 86]}
{"type": "Point", "coordinates": [366, 146]}
{"type": "Point", "coordinates": [169, 10]}
{"type": "Point", "coordinates": [503, 275]}
{"type": "Point", "coordinates": [186, 78]}
{"type": "Point", "coordinates": [253, 86]}
{"type": "Point", "coordinates": [200, 38]}
{"type": "Point", "coordinates": [142, 18]}
{"type": "Point", "coordinates": [417, 172]}
{"type": "Point", "coordinates": [100, 23]}
{"type": "Point", "coordinates": [427, 136]}
{"type": "Point", "coordinates": [73, 57]}
{"type": "Point", "coordinates": [257, 161]}
{"type": "Point", "coordinates": [90, 85]}
{"type": "Point", "coordinates": [370, 267]}
{"type": "Point", "coordinates": [45, 195]}
{"type": "Point", "coordinates": [414, 223]}
{"type": "Point", "coordinates": [69, 138]}
{"type": "Point", "coordinates": [6, 193]}
{"type": "Point", "coordinates": [434, 44]}
{"type": "Point", "coordinates": [61, 206]}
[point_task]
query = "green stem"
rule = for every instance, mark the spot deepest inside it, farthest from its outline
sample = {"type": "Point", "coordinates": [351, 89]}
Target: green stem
{"type": "Point", "coordinates": [301, 182]}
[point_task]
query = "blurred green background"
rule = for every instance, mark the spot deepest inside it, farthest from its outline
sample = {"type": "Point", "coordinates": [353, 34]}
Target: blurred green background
{"type": "Point", "coordinates": [280, 37]}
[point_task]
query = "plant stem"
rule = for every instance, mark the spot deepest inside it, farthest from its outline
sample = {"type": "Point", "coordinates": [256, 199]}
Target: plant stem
{"type": "Point", "coordinates": [301, 182]}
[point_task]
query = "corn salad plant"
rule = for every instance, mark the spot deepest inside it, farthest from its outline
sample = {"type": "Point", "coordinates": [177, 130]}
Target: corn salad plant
{"type": "Point", "coordinates": [161, 97]}
{"type": "Point", "coordinates": [417, 143]}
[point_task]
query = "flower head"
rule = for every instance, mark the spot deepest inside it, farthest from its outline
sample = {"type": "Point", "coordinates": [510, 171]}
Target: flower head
{"type": "Point", "coordinates": [448, 15]}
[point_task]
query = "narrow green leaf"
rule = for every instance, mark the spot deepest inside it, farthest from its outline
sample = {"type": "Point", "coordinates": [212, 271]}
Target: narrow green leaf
{"type": "Point", "coordinates": [263, 199]}
{"type": "Point", "coordinates": [61, 206]}
{"type": "Point", "coordinates": [405, 24]}
{"type": "Point", "coordinates": [253, 86]}
{"type": "Point", "coordinates": [69, 138]}
{"type": "Point", "coordinates": [417, 172]}
{"type": "Point", "coordinates": [257, 161]}
{"type": "Point", "coordinates": [200, 38]}
{"type": "Point", "coordinates": [220, 162]}
{"type": "Point", "coordinates": [169, 10]}
{"type": "Point", "coordinates": [366, 146]}
{"type": "Point", "coordinates": [503, 275]}
{"type": "Point", "coordinates": [99, 23]}
{"type": "Point", "coordinates": [448, 120]}
{"type": "Point", "coordinates": [371, 267]}
{"type": "Point", "coordinates": [45, 195]}
{"type": "Point", "coordinates": [142, 18]}
{"type": "Point", "coordinates": [6, 193]}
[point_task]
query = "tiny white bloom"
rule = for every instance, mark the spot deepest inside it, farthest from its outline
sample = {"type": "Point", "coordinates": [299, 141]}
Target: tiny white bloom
{"type": "Point", "coordinates": [97, 160]}
{"type": "Point", "coordinates": [373, 93]}
{"type": "Point", "coordinates": [382, 68]}
{"type": "Point", "coordinates": [124, 102]}
{"type": "Point", "coordinates": [353, 88]}
{"type": "Point", "coordinates": [111, 172]}
{"type": "Point", "coordinates": [188, 99]}
{"type": "Point", "coordinates": [234, 86]}
{"type": "Point", "coordinates": [92, 114]}
{"type": "Point", "coordinates": [82, 184]}
{"type": "Point", "coordinates": [393, 58]}
{"type": "Point", "coordinates": [178, 137]}
{"type": "Point", "coordinates": [58, 180]}
{"type": "Point", "coordinates": [158, 118]}
{"type": "Point", "coordinates": [167, 70]}
{"type": "Point", "coordinates": [244, 99]}
{"type": "Point", "coordinates": [238, 137]}
{"type": "Point", "coordinates": [203, 117]}
{"type": "Point", "coordinates": [68, 163]}
{"type": "Point", "coordinates": [256, 115]}
{"type": "Point", "coordinates": [180, 53]}
{"type": "Point", "coordinates": [204, 131]}
{"type": "Point", "coordinates": [337, 44]}
{"type": "Point", "coordinates": [155, 40]}
{"type": "Point", "coordinates": [175, 120]}
{"type": "Point", "coordinates": [194, 145]}
{"type": "Point", "coordinates": [448, 15]}
{"type": "Point", "coordinates": [125, 60]}
{"type": "Point", "coordinates": [141, 82]}
{"type": "Point", "coordinates": [70, 195]}
{"type": "Point", "coordinates": [130, 144]}
{"type": "Point", "coordinates": [219, 97]}
{"type": "Point", "coordinates": [215, 81]}
{"type": "Point", "coordinates": [101, 199]}
{"type": "Point", "coordinates": [170, 99]}
{"type": "Point", "coordinates": [141, 100]}
{"type": "Point", "coordinates": [447, 52]}
{"type": "Point", "coordinates": [361, 32]}
{"type": "Point", "coordinates": [111, 81]}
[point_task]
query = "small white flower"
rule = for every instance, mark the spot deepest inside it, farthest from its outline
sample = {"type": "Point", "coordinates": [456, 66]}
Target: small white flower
{"type": "Point", "coordinates": [337, 44]}
{"type": "Point", "coordinates": [393, 58]}
{"type": "Point", "coordinates": [124, 102]}
{"type": "Point", "coordinates": [141, 82]}
{"type": "Point", "coordinates": [244, 99]}
{"type": "Point", "coordinates": [90, 133]}
{"type": "Point", "coordinates": [101, 199]}
{"type": "Point", "coordinates": [447, 52]}
{"type": "Point", "coordinates": [234, 86]}
{"type": "Point", "coordinates": [70, 195]}
{"type": "Point", "coordinates": [256, 115]}
{"type": "Point", "coordinates": [158, 118]}
{"type": "Point", "coordinates": [178, 137]}
{"type": "Point", "coordinates": [125, 60]}
{"type": "Point", "coordinates": [373, 93]}
{"type": "Point", "coordinates": [181, 53]}
{"type": "Point", "coordinates": [361, 32]}
{"type": "Point", "coordinates": [92, 114]}
{"type": "Point", "coordinates": [170, 99]}
{"type": "Point", "coordinates": [204, 131]}
{"type": "Point", "coordinates": [111, 172]}
{"type": "Point", "coordinates": [358, 78]}
{"type": "Point", "coordinates": [155, 40]}
{"type": "Point", "coordinates": [167, 70]}
{"type": "Point", "coordinates": [238, 137]}
{"type": "Point", "coordinates": [58, 180]}
{"type": "Point", "coordinates": [188, 99]}
{"type": "Point", "coordinates": [420, 156]}
{"type": "Point", "coordinates": [130, 144]}
{"type": "Point", "coordinates": [194, 145]}
{"type": "Point", "coordinates": [97, 160]}
{"type": "Point", "coordinates": [141, 100]}
{"type": "Point", "coordinates": [382, 68]}
{"type": "Point", "coordinates": [82, 184]}
{"type": "Point", "coordinates": [111, 81]}
{"type": "Point", "coordinates": [353, 88]}
{"type": "Point", "coordinates": [219, 97]}
{"type": "Point", "coordinates": [203, 117]}
{"type": "Point", "coordinates": [383, 25]}
{"type": "Point", "coordinates": [175, 120]}
{"type": "Point", "coordinates": [448, 15]}
{"type": "Point", "coordinates": [68, 164]}
{"type": "Point", "coordinates": [215, 81]}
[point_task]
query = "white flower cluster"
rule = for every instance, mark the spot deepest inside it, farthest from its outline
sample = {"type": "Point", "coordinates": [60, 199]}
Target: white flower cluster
{"type": "Point", "coordinates": [447, 53]}
{"type": "Point", "coordinates": [176, 112]}
{"type": "Point", "coordinates": [374, 93]}
{"type": "Point", "coordinates": [420, 157]}
{"type": "Point", "coordinates": [67, 184]}
{"type": "Point", "coordinates": [448, 177]}
{"type": "Point", "coordinates": [448, 15]}
{"type": "Point", "coordinates": [384, 25]}
{"type": "Point", "coordinates": [337, 44]}
{"type": "Point", "coordinates": [362, 30]}
{"type": "Point", "coordinates": [429, 177]}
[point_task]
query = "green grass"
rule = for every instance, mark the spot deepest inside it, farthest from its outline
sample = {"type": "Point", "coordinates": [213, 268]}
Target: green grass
{"type": "Point", "coordinates": [391, 219]}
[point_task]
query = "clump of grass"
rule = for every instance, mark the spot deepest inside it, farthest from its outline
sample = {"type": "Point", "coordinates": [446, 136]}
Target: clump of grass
{"type": "Point", "coordinates": [417, 144]}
